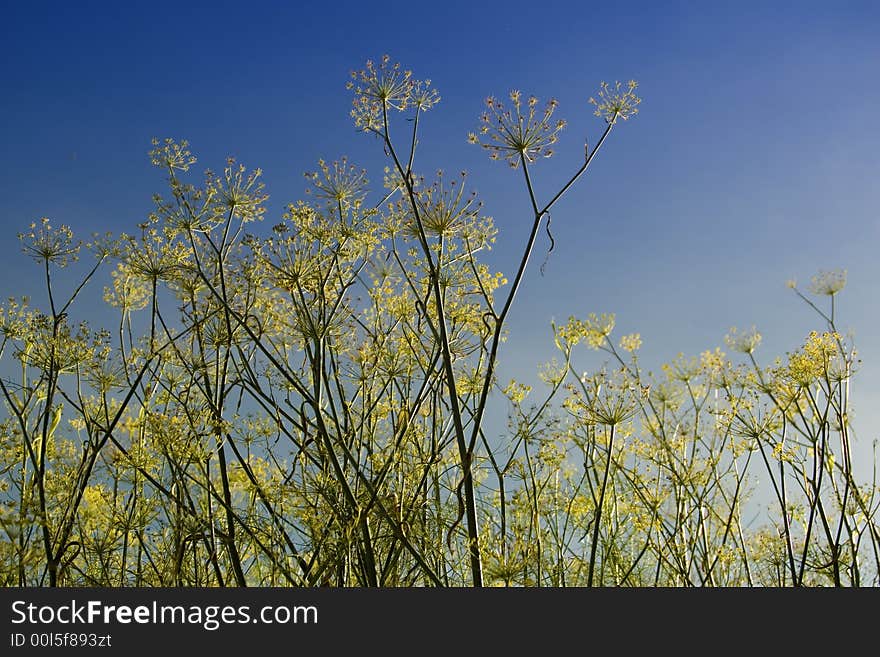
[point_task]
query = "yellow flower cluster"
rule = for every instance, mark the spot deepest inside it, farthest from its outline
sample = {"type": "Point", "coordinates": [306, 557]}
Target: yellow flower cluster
{"type": "Point", "coordinates": [631, 342]}
{"type": "Point", "coordinates": [516, 391]}
{"type": "Point", "coordinates": [813, 360]}
{"type": "Point", "coordinates": [50, 245]}
{"type": "Point", "coordinates": [595, 331]}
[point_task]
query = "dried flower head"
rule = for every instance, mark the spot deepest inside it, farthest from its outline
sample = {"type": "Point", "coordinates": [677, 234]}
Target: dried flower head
{"type": "Point", "coordinates": [828, 283]}
{"type": "Point", "coordinates": [340, 184]}
{"type": "Point", "coordinates": [423, 95]}
{"type": "Point", "coordinates": [745, 342]}
{"type": "Point", "coordinates": [386, 86]}
{"type": "Point", "coordinates": [520, 133]}
{"type": "Point", "coordinates": [615, 102]}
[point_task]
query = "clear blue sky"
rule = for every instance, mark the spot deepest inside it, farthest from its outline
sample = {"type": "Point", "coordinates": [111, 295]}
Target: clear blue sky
{"type": "Point", "coordinates": [754, 159]}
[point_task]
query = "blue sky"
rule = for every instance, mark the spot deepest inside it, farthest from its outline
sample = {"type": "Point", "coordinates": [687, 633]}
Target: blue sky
{"type": "Point", "coordinates": [754, 158]}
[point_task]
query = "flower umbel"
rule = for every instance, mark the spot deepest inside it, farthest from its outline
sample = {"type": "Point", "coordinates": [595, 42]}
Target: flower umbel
{"type": "Point", "coordinates": [610, 400]}
{"type": "Point", "coordinates": [616, 102]}
{"type": "Point", "coordinates": [816, 358]}
{"type": "Point", "coordinates": [383, 87]}
{"type": "Point", "coordinates": [518, 133]}
{"type": "Point", "coordinates": [340, 184]}
{"type": "Point", "coordinates": [745, 342]}
{"type": "Point", "coordinates": [46, 244]}
{"type": "Point", "coordinates": [828, 283]}
{"type": "Point", "coordinates": [631, 342]}
{"type": "Point", "coordinates": [240, 192]}
{"type": "Point", "coordinates": [444, 207]}
{"type": "Point", "coordinates": [170, 154]}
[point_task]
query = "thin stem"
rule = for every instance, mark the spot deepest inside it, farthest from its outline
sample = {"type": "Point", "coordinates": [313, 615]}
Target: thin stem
{"type": "Point", "coordinates": [596, 522]}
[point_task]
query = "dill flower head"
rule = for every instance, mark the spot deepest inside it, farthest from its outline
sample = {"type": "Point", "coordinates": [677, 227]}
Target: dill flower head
{"type": "Point", "coordinates": [522, 132]}
{"type": "Point", "coordinates": [828, 283]}
{"type": "Point", "coordinates": [423, 96]}
{"type": "Point", "coordinates": [339, 183]}
{"type": "Point", "coordinates": [611, 400]}
{"type": "Point", "coordinates": [47, 244]}
{"type": "Point", "coordinates": [745, 342]}
{"type": "Point", "coordinates": [631, 342]}
{"type": "Point", "coordinates": [170, 154]}
{"type": "Point", "coordinates": [444, 206]}
{"type": "Point", "coordinates": [816, 358]}
{"type": "Point", "coordinates": [378, 88]}
{"type": "Point", "coordinates": [240, 192]}
{"type": "Point", "coordinates": [616, 102]}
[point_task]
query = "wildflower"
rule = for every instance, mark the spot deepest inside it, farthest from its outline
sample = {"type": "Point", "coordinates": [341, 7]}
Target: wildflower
{"type": "Point", "coordinates": [240, 195]}
{"type": "Point", "coordinates": [595, 331]}
{"type": "Point", "coordinates": [151, 258]}
{"type": "Point", "coordinates": [683, 369]}
{"type": "Point", "coordinates": [745, 342]}
{"type": "Point", "coordinates": [828, 283]}
{"type": "Point", "coordinates": [423, 96]}
{"type": "Point", "coordinates": [815, 359]}
{"type": "Point", "coordinates": [442, 208]}
{"type": "Point", "coordinates": [667, 394]}
{"type": "Point", "coordinates": [383, 87]}
{"type": "Point", "coordinates": [340, 184]}
{"type": "Point", "coordinates": [14, 319]}
{"type": "Point", "coordinates": [516, 392]}
{"type": "Point", "coordinates": [522, 133]}
{"type": "Point", "coordinates": [712, 360]}
{"type": "Point", "coordinates": [631, 342]}
{"type": "Point", "coordinates": [611, 401]}
{"type": "Point", "coordinates": [50, 245]}
{"type": "Point", "coordinates": [171, 155]}
{"type": "Point", "coordinates": [615, 102]}
{"type": "Point", "coordinates": [129, 292]}
{"type": "Point", "coordinates": [599, 327]}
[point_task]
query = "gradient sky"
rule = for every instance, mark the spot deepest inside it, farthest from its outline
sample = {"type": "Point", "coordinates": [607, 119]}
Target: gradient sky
{"type": "Point", "coordinates": [754, 158]}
